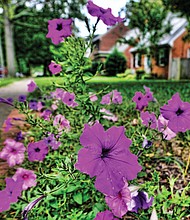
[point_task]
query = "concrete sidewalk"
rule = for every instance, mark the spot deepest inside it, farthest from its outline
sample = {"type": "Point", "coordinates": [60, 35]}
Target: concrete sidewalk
{"type": "Point", "coordinates": [12, 90]}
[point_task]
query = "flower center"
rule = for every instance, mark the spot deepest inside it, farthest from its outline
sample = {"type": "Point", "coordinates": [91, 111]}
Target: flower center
{"type": "Point", "coordinates": [25, 176]}
{"type": "Point", "coordinates": [104, 152]}
{"type": "Point", "coordinates": [37, 149]}
{"type": "Point", "coordinates": [179, 112]}
{"type": "Point", "coordinates": [59, 27]}
{"type": "Point", "coordinates": [139, 98]}
{"type": "Point", "coordinates": [13, 150]}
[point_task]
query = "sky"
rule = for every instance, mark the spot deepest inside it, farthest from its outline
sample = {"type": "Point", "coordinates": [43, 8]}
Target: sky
{"type": "Point", "coordinates": [115, 5]}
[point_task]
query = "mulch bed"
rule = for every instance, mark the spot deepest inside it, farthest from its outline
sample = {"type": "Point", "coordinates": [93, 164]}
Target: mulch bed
{"type": "Point", "coordinates": [5, 170]}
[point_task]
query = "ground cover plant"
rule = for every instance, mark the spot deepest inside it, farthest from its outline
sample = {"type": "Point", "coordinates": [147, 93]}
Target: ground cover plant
{"type": "Point", "coordinates": [97, 151]}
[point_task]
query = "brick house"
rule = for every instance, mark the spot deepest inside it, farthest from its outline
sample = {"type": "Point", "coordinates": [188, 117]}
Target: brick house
{"type": "Point", "coordinates": [171, 48]}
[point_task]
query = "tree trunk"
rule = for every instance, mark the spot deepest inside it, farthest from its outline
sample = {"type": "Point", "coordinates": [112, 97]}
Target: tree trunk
{"type": "Point", "coordinates": [9, 44]}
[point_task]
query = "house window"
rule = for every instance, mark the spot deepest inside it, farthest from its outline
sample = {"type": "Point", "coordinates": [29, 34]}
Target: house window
{"type": "Point", "coordinates": [137, 60]}
{"type": "Point", "coordinates": [162, 57]}
{"type": "Point", "coordinates": [188, 53]}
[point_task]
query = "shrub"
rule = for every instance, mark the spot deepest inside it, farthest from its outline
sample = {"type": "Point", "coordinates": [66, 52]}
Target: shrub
{"type": "Point", "coordinates": [139, 73]}
{"type": "Point", "coordinates": [115, 63]}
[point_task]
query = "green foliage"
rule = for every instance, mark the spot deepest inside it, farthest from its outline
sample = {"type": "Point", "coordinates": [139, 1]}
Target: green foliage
{"type": "Point", "coordinates": [115, 63]}
{"type": "Point", "coordinates": [149, 17]}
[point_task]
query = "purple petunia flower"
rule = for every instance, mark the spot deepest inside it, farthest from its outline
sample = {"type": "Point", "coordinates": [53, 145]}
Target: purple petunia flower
{"type": "Point", "coordinates": [52, 141]}
{"type": "Point", "coordinates": [177, 113]}
{"type": "Point", "coordinates": [19, 136]}
{"type": "Point", "coordinates": [93, 97]}
{"type": "Point", "coordinates": [55, 68]}
{"type": "Point", "coordinates": [139, 200]}
{"type": "Point", "coordinates": [103, 14]}
{"type": "Point", "coordinates": [149, 119]}
{"type": "Point", "coordinates": [69, 99]}
{"type": "Point", "coordinates": [8, 124]}
{"type": "Point", "coordinates": [40, 106]}
{"type": "Point", "coordinates": [46, 114]}
{"type": "Point", "coordinates": [118, 203]}
{"type": "Point", "coordinates": [168, 134]}
{"type": "Point", "coordinates": [106, 99]}
{"type": "Point", "coordinates": [108, 115]}
{"type": "Point", "coordinates": [113, 96]}
{"type": "Point", "coordinates": [140, 100]}
{"type": "Point", "coordinates": [30, 206]}
{"type": "Point", "coordinates": [116, 97]}
{"type": "Point", "coordinates": [148, 94]}
{"type": "Point", "coordinates": [13, 189]}
{"type": "Point", "coordinates": [32, 86]}
{"type": "Point", "coordinates": [106, 215]}
{"type": "Point", "coordinates": [8, 101]}
{"type": "Point", "coordinates": [58, 29]}
{"type": "Point", "coordinates": [28, 177]}
{"type": "Point", "coordinates": [33, 105]}
{"type": "Point", "coordinates": [13, 152]}
{"type": "Point", "coordinates": [22, 98]}
{"type": "Point", "coordinates": [61, 123]}
{"type": "Point", "coordinates": [58, 93]}
{"type": "Point", "coordinates": [106, 155]}
{"type": "Point", "coordinates": [37, 151]}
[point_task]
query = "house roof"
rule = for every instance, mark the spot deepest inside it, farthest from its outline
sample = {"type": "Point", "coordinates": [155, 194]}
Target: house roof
{"type": "Point", "coordinates": [178, 27]}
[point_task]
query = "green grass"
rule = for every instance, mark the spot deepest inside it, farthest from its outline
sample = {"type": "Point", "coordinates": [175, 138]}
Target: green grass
{"type": "Point", "coordinates": [6, 81]}
{"type": "Point", "coordinates": [162, 89]}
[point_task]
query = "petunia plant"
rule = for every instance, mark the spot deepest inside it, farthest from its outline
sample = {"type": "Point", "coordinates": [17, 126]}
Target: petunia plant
{"type": "Point", "coordinates": [80, 159]}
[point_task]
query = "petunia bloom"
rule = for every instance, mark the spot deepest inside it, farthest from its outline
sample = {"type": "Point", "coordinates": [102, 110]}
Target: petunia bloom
{"type": "Point", "coordinates": [28, 177]}
{"type": "Point", "coordinates": [139, 200]}
{"type": "Point", "coordinates": [22, 98]}
{"type": "Point", "coordinates": [33, 105]}
{"type": "Point", "coordinates": [52, 141]}
{"type": "Point", "coordinates": [69, 99]}
{"type": "Point", "coordinates": [149, 119]}
{"type": "Point", "coordinates": [10, 194]}
{"type": "Point", "coordinates": [177, 113]}
{"type": "Point", "coordinates": [93, 97]}
{"type": "Point", "coordinates": [148, 94]}
{"type": "Point", "coordinates": [118, 203]}
{"type": "Point", "coordinates": [103, 14]}
{"type": "Point", "coordinates": [61, 123]}
{"type": "Point", "coordinates": [106, 99]}
{"type": "Point", "coordinates": [140, 100]}
{"type": "Point", "coordinates": [31, 86]}
{"type": "Point", "coordinates": [30, 206]}
{"type": "Point", "coordinates": [106, 155]}
{"type": "Point", "coordinates": [55, 68]}
{"type": "Point", "coordinates": [58, 29]}
{"type": "Point", "coordinates": [8, 125]}
{"type": "Point", "coordinates": [108, 115]}
{"type": "Point", "coordinates": [116, 97]}
{"type": "Point", "coordinates": [106, 215]}
{"type": "Point", "coordinates": [168, 134]}
{"type": "Point", "coordinates": [37, 151]}
{"type": "Point", "coordinates": [13, 152]}
{"type": "Point", "coordinates": [112, 97]}
{"type": "Point", "coordinates": [8, 101]}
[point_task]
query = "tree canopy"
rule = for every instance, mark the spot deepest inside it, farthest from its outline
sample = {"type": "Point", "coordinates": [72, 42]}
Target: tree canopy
{"type": "Point", "coordinates": [149, 17]}
{"type": "Point", "coordinates": [28, 20]}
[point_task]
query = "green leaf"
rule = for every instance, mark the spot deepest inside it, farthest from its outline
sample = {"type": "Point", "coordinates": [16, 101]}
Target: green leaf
{"type": "Point", "coordinates": [78, 198]}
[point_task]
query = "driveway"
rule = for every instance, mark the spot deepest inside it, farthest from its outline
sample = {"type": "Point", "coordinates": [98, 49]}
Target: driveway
{"type": "Point", "coordinates": [12, 90]}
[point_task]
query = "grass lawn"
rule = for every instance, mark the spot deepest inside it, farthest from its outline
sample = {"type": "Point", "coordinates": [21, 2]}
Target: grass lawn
{"type": "Point", "coordinates": [162, 89]}
{"type": "Point", "coordinates": [6, 81]}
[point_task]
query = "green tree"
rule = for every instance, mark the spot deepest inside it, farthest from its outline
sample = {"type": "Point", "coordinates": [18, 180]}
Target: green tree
{"type": "Point", "coordinates": [183, 7]}
{"type": "Point", "coordinates": [150, 19]}
{"type": "Point", "coordinates": [115, 63]}
{"type": "Point", "coordinates": [25, 24]}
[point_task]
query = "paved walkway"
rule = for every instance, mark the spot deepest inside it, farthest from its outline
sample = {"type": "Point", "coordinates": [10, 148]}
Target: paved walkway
{"type": "Point", "coordinates": [12, 90]}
